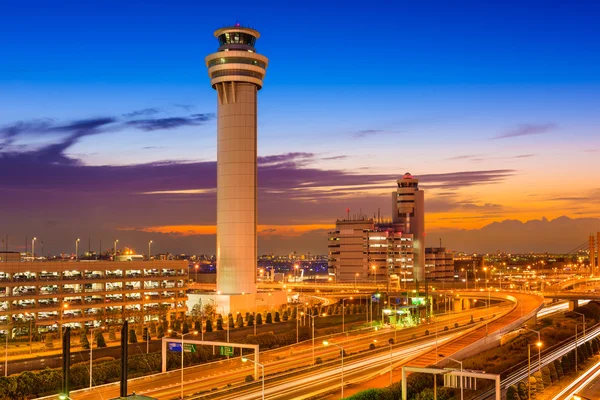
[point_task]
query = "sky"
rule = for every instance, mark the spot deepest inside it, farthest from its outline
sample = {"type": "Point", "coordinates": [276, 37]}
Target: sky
{"type": "Point", "coordinates": [107, 121]}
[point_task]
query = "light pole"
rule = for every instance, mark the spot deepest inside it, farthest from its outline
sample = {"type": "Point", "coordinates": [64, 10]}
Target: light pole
{"type": "Point", "coordinates": [149, 250]}
{"type": "Point", "coordinates": [326, 343]}
{"type": "Point", "coordinates": [576, 344]}
{"type": "Point", "coordinates": [147, 327]}
{"type": "Point", "coordinates": [297, 317]}
{"type": "Point", "coordinates": [91, 351]}
{"type": "Point", "coordinates": [116, 241]}
{"type": "Point", "coordinates": [77, 249]}
{"type": "Point", "coordinates": [244, 359]}
{"type": "Point", "coordinates": [389, 344]}
{"type": "Point", "coordinates": [486, 278]}
{"type": "Point", "coordinates": [466, 278]}
{"type": "Point", "coordinates": [539, 347]}
{"type": "Point", "coordinates": [538, 344]}
{"type": "Point", "coordinates": [344, 312]}
{"type": "Point", "coordinates": [183, 335]}
{"type": "Point", "coordinates": [313, 334]}
{"type": "Point", "coordinates": [33, 249]}
{"type": "Point", "coordinates": [461, 378]}
{"type": "Point", "coordinates": [196, 267]}
{"type": "Point", "coordinates": [355, 276]}
{"type": "Point", "coordinates": [575, 312]}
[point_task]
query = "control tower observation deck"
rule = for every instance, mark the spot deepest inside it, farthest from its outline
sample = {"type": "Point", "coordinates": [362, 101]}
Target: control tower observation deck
{"type": "Point", "coordinates": [236, 72]}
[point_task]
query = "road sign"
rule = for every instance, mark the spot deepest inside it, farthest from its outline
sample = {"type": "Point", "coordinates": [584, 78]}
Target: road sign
{"type": "Point", "coordinates": [175, 346]}
{"type": "Point", "coordinates": [189, 348]}
{"type": "Point", "coordinates": [225, 350]}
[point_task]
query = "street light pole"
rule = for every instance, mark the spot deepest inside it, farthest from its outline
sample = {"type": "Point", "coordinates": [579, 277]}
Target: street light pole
{"type": "Point", "coordinates": [344, 312]}
{"type": "Point", "coordinates": [244, 359]}
{"type": "Point", "coordinates": [33, 249]}
{"type": "Point", "coordinates": [313, 336]}
{"type": "Point", "coordinates": [183, 335]}
{"type": "Point", "coordinates": [461, 370]}
{"type": "Point", "coordinates": [116, 241]}
{"type": "Point", "coordinates": [539, 347]}
{"type": "Point", "coordinates": [326, 343]}
{"type": "Point", "coordinates": [149, 250]}
{"type": "Point", "coordinates": [77, 249]}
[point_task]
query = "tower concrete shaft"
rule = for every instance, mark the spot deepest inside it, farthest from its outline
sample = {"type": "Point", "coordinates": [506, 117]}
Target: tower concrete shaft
{"type": "Point", "coordinates": [236, 72]}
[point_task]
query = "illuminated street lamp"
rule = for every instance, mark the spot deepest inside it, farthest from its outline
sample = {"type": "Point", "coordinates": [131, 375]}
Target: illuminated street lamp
{"type": "Point", "coordinates": [244, 359]}
{"type": "Point", "coordinates": [183, 335]}
{"type": "Point", "coordinates": [77, 249]}
{"type": "Point", "coordinates": [327, 343]}
{"type": "Point", "coordinates": [355, 276]}
{"type": "Point", "coordinates": [461, 377]}
{"type": "Point", "coordinates": [149, 249]}
{"type": "Point", "coordinates": [391, 370]}
{"type": "Point", "coordinates": [539, 345]}
{"type": "Point", "coordinates": [116, 241]}
{"type": "Point", "coordinates": [196, 267]}
{"type": "Point", "coordinates": [33, 249]}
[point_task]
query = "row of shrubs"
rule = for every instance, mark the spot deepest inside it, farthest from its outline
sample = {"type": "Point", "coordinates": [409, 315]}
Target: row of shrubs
{"type": "Point", "coordinates": [553, 372]}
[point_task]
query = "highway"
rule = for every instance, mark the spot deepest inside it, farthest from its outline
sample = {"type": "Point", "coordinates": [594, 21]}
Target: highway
{"type": "Point", "coordinates": [218, 374]}
{"type": "Point", "coordinates": [585, 386]}
{"type": "Point", "coordinates": [548, 356]}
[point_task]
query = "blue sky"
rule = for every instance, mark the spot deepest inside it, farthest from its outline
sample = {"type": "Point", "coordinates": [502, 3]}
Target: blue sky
{"type": "Point", "coordinates": [365, 88]}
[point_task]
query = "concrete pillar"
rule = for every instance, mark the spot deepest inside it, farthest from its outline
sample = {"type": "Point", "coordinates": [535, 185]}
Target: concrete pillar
{"type": "Point", "coordinates": [573, 304]}
{"type": "Point", "coordinates": [457, 305]}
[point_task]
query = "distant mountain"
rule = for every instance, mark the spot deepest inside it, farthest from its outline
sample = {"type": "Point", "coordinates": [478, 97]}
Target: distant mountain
{"type": "Point", "coordinates": [559, 235]}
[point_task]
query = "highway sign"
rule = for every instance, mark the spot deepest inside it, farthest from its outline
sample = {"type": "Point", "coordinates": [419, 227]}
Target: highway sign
{"type": "Point", "coordinates": [225, 350]}
{"type": "Point", "coordinates": [175, 346]}
{"type": "Point", "coordinates": [189, 348]}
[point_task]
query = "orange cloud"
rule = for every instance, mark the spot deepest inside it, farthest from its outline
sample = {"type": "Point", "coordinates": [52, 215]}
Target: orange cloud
{"type": "Point", "coordinates": [263, 230]}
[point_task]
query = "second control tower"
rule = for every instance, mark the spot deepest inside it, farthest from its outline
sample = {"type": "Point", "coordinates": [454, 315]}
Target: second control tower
{"type": "Point", "coordinates": [236, 72]}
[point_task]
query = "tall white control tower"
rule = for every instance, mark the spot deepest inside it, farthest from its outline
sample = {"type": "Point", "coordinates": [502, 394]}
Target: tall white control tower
{"type": "Point", "coordinates": [236, 72]}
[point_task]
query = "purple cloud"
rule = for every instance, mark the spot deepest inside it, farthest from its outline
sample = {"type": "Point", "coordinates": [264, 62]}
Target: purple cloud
{"type": "Point", "coordinates": [366, 132]}
{"type": "Point", "coordinates": [528, 130]}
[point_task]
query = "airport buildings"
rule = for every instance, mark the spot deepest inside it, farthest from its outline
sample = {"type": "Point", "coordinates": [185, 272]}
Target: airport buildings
{"type": "Point", "coordinates": [49, 295]}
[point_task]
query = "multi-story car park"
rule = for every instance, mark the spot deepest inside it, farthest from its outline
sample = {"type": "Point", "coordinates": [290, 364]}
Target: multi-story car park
{"type": "Point", "coordinates": [90, 293]}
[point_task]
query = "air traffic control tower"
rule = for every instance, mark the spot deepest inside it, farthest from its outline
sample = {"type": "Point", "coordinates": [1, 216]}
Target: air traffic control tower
{"type": "Point", "coordinates": [236, 72]}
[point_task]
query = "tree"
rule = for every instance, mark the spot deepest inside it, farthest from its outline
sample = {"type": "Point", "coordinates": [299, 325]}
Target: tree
{"type": "Point", "coordinates": [539, 380]}
{"type": "Point", "coordinates": [48, 342]}
{"type": "Point", "coordinates": [285, 315]}
{"type": "Point", "coordinates": [251, 320]}
{"type": "Point", "coordinates": [546, 377]}
{"type": "Point", "coordinates": [259, 319]}
{"type": "Point", "coordinates": [294, 314]}
{"type": "Point", "coordinates": [269, 318]}
{"type": "Point", "coordinates": [553, 373]}
{"type": "Point", "coordinates": [595, 347]}
{"type": "Point", "coordinates": [100, 342]}
{"type": "Point", "coordinates": [146, 334]}
{"type": "Point", "coordinates": [198, 326]}
{"type": "Point", "coordinates": [186, 328]}
{"type": "Point", "coordinates": [533, 387]}
{"type": "Point", "coordinates": [132, 336]}
{"type": "Point", "coordinates": [160, 332]}
{"type": "Point", "coordinates": [83, 340]}
{"type": "Point", "coordinates": [511, 393]}
{"type": "Point", "coordinates": [230, 323]}
{"type": "Point", "coordinates": [522, 389]}
{"type": "Point", "coordinates": [240, 321]}
{"type": "Point", "coordinates": [566, 364]}
{"type": "Point", "coordinates": [112, 334]}
{"type": "Point", "coordinates": [220, 323]}
{"type": "Point", "coordinates": [209, 325]}
{"type": "Point", "coordinates": [559, 370]}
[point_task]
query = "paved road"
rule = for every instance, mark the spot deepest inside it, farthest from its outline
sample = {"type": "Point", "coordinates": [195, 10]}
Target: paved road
{"type": "Point", "coordinates": [219, 374]}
